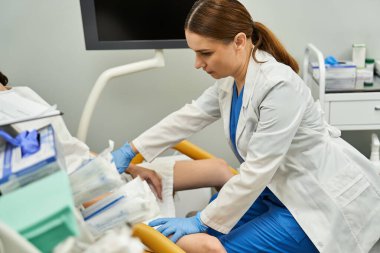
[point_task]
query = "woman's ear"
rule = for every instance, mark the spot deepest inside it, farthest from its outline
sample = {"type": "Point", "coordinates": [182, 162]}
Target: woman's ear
{"type": "Point", "coordinates": [240, 40]}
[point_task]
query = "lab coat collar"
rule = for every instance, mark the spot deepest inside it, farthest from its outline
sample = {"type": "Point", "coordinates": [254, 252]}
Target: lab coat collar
{"type": "Point", "coordinates": [226, 85]}
{"type": "Point", "coordinates": [252, 70]}
{"type": "Point", "coordinates": [249, 81]}
{"type": "Point", "coordinates": [252, 73]}
{"type": "Point", "coordinates": [250, 84]}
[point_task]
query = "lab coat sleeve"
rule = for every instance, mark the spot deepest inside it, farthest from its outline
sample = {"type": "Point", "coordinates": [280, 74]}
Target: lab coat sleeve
{"type": "Point", "coordinates": [281, 112]}
{"type": "Point", "coordinates": [179, 125]}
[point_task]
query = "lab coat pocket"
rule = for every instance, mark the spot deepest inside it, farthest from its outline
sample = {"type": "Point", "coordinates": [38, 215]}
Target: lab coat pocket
{"type": "Point", "coordinates": [355, 199]}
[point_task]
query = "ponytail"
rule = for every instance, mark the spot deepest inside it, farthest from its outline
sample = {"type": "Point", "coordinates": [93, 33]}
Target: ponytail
{"type": "Point", "coordinates": [265, 40]}
{"type": "Point", "coordinates": [223, 19]}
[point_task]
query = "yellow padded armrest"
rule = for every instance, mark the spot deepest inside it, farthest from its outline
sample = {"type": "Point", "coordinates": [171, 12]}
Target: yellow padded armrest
{"type": "Point", "coordinates": [137, 159]}
{"type": "Point", "coordinates": [151, 238]}
{"type": "Point", "coordinates": [154, 240]}
{"type": "Point", "coordinates": [187, 148]}
{"type": "Point", "coordinates": [192, 150]}
{"type": "Point", "coordinates": [195, 152]}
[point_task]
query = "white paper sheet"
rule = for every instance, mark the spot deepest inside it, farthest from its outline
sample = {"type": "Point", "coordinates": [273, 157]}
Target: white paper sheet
{"type": "Point", "coordinates": [15, 108]}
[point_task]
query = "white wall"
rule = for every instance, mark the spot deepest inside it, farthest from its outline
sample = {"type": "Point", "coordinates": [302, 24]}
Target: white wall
{"type": "Point", "coordinates": [42, 46]}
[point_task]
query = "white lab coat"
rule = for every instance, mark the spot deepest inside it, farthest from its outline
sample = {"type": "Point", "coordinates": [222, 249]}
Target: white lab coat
{"type": "Point", "coordinates": [329, 187]}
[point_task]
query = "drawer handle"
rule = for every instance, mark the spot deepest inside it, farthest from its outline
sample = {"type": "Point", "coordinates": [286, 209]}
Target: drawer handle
{"type": "Point", "coordinates": [377, 108]}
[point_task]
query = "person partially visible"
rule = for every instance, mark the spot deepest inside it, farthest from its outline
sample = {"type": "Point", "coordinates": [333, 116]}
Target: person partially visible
{"type": "Point", "coordinates": [300, 187]}
{"type": "Point", "coordinates": [74, 151]}
{"type": "Point", "coordinates": [3, 82]}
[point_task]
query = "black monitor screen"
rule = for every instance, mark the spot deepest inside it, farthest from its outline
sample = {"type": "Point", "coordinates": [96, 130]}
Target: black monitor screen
{"type": "Point", "coordinates": [141, 24]}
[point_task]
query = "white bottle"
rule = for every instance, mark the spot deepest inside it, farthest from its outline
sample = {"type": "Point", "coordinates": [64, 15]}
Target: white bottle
{"type": "Point", "coordinates": [375, 154]}
{"type": "Point", "coordinates": [358, 55]}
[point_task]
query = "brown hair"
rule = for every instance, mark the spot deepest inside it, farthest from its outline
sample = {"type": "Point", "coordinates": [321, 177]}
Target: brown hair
{"type": "Point", "coordinates": [3, 79]}
{"type": "Point", "coordinates": [223, 19]}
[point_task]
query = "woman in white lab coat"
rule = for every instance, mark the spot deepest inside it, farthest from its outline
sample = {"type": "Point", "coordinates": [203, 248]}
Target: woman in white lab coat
{"type": "Point", "coordinates": [301, 188]}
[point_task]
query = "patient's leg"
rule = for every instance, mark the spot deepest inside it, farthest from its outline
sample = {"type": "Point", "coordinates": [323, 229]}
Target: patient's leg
{"type": "Point", "coordinates": [201, 173]}
{"type": "Point", "coordinates": [200, 243]}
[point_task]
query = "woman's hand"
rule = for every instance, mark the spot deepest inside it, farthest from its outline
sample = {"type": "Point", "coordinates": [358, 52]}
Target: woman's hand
{"type": "Point", "coordinates": [152, 177]}
{"type": "Point", "coordinates": [123, 156]}
{"type": "Point", "coordinates": [178, 227]}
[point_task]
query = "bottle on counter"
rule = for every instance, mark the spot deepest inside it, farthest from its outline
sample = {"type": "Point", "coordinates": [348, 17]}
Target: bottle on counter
{"type": "Point", "coordinates": [358, 55]}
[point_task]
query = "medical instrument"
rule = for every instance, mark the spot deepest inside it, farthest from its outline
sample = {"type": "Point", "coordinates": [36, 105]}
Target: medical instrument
{"type": "Point", "coordinates": [358, 55]}
{"type": "Point", "coordinates": [123, 156]}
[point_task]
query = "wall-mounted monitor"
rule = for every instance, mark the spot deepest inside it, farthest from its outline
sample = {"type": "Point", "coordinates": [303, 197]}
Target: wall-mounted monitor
{"type": "Point", "coordinates": [134, 24]}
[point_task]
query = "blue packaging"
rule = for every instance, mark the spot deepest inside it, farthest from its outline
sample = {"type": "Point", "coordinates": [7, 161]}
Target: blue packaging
{"type": "Point", "coordinates": [17, 171]}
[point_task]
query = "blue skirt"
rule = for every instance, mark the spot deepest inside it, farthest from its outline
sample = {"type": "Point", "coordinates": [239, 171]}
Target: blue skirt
{"type": "Point", "coordinates": [267, 226]}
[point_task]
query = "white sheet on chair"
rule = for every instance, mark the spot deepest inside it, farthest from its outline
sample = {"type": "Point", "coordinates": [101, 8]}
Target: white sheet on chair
{"type": "Point", "coordinates": [164, 167]}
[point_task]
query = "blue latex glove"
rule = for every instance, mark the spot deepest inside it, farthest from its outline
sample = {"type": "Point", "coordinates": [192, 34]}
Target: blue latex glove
{"type": "Point", "coordinates": [179, 227]}
{"type": "Point", "coordinates": [331, 60]}
{"type": "Point", "coordinates": [123, 156]}
{"type": "Point", "coordinates": [28, 140]}
{"type": "Point", "coordinates": [9, 139]}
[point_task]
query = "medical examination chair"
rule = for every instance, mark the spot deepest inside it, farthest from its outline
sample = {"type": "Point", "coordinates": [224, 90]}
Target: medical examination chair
{"type": "Point", "coordinates": [151, 238]}
{"type": "Point", "coordinates": [11, 241]}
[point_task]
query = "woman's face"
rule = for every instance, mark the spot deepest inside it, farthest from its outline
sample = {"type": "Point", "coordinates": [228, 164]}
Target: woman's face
{"type": "Point", "coordinates": [218, 59]}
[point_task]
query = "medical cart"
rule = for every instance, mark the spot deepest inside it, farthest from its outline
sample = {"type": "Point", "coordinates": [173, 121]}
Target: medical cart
{"type": "Point", "coordinates": [355, 108]}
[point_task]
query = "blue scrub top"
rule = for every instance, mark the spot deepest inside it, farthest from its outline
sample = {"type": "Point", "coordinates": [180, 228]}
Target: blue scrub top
{"type": "Point", "coordinates": [236, 104]}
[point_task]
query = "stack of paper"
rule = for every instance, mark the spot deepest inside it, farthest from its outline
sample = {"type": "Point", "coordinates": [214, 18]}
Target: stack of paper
{"type": "Point", "coordinates": [341, 76]}
{"type": "Point", "coordinates": [15, 108]}
{"type": "Point", "coordinates": [342, 70]}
